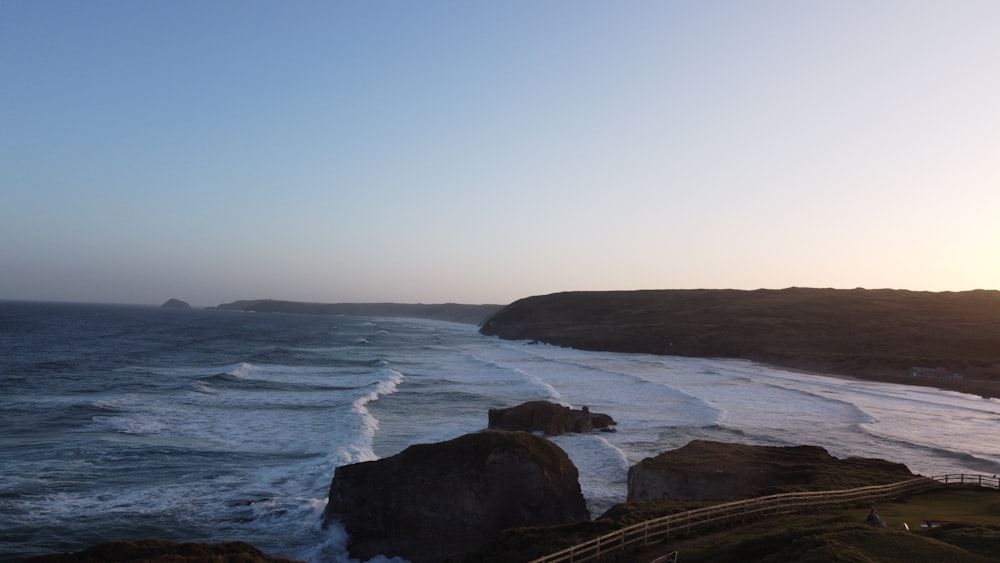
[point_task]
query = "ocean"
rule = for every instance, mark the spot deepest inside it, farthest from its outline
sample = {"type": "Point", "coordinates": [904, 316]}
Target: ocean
{"type": "Point", "coordinates": [128, 422]}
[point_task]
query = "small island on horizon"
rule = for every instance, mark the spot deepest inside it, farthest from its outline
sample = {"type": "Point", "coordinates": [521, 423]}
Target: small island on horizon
{"type": "Point", "coordinates": [175, 304]}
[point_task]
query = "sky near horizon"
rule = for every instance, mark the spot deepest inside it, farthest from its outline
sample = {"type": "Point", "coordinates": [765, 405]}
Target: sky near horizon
{"type": "Point", "coordinates": [480, 152]}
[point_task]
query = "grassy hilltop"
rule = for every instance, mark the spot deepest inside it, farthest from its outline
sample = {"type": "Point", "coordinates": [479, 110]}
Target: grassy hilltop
{"type": "Point", "coordinates": [876, 334]}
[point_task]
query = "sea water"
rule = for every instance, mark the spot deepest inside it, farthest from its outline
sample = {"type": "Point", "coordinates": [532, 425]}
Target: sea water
{"type": "Point", "coordinates": [123, 422]}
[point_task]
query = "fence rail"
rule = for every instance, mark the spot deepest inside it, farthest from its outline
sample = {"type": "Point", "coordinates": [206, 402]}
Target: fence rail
{"type": "Point", "coordinates": [652, 532]}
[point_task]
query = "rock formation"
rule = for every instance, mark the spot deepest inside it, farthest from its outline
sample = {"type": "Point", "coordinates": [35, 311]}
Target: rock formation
{"type": "Point", "coordinates": [716, 470]}
{"type": "Point", "coordinates": [432, 501]}
{"type": "Point", "coordinates": [175, 304]}
{"type": "Point", "coordinates": [162, 551]}
{"type": "Point", "coordinates": [549, 418]}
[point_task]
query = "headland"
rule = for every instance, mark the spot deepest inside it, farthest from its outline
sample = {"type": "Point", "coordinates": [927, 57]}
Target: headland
{"type": "Point", "coordinates": [949, 340]}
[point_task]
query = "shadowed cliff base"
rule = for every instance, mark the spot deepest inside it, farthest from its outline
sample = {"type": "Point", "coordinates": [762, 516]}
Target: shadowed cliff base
{"type": "Point", "coordinates": [433, 501]}
{"type": "Point", "coordinates": [949, 340]}
{"type": "Point", "coordinates": [163, 551]}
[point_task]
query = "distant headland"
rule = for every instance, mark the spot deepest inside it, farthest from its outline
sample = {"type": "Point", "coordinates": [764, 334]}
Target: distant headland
{"type": "Point", "coordinates": [948, 340]}
{"type": "Point", "coordinates": [451, 312]}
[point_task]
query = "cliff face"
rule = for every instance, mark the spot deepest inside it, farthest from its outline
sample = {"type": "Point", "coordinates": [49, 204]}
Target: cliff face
{"type": "Point", "coordinates": [715, 470]}
{"type": "Point", "coordinates": [550, 418]}
{"type": "Point", "coordinates": [432, 501]}
{"type": "Point", "coordinates": [842, 331]}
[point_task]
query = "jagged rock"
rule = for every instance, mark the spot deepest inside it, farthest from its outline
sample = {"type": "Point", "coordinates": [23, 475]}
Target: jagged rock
{"type": "Point", "coordinates": [162, 551]}
{"type": "Point", "coordinates": [175, 304]}
{"type": "Point", "coordinates": [715, 470]}
{"type": "Point", "coordinates": [432, 501]}
{"type": "Point", "coordinates": [549, 418]}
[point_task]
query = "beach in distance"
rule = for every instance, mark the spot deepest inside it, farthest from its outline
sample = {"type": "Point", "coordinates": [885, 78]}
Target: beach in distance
{"type": "Point", "coordinates": [130, 422]}
{"type": "Point", "coordinates": [949, 340]}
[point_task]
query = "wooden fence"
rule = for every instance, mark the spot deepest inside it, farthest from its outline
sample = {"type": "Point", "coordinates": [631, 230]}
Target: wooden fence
{"type": "Point", "coordinates": [991, 482]}
{"type": "Point", "coordinates": [652, 532]}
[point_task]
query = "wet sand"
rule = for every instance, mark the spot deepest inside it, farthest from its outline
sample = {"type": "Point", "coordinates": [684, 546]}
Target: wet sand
{"type": "Point", "coordinates": [986, 388]}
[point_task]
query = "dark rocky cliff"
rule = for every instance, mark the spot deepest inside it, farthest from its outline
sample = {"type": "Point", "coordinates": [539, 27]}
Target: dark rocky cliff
{"type": "Point", "coordinates": [432, 501]}
{"type": "Point", "coordinates": [549, 418]}
{"type": "Point", "coordinates": [715, 470]}
{"type": "Point", "coordinates": [854, 332]}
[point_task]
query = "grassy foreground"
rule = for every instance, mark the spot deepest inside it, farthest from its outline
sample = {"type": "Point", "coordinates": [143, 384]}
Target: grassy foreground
{"type": "Point", "coordinates": [970, 533]}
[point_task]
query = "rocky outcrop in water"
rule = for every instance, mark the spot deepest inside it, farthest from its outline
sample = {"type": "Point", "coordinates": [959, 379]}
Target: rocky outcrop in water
{"type": "Point", "coordinates": [175, 304]}
{"type": "Point", "coordinates": [716, 470]}
{"type": "Point", "coordinates": [549, 418]}
{"type": "Point", "coordinates": [432, 501]}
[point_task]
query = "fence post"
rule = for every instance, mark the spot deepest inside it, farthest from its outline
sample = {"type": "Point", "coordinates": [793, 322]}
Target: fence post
{"type": "Point", "coordinates": [761, 506]}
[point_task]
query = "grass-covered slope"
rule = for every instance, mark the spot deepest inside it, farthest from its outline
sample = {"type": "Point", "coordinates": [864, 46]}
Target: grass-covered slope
{"type": "Point", "coordinates": [869, 333]}
{"type": "Point", "coordinates": [971, 534]}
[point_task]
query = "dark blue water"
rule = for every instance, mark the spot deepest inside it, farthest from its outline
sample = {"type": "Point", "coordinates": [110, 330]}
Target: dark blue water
{"type": "Point", "coordinates": [124, 422]}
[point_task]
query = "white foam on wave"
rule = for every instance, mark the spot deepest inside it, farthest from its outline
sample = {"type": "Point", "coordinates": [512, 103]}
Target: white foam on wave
{"type": "Point", "coordinates": [126, 501]}
{"type": "Point", "coordinates": [245, 448]}
{"type": "Point", "coordinates": [364, 426]}
{"type": "Point", "coordinates": [550, 391]}
{"type": "Point", "coordinates": [286, 526]}
{"type": "Point", "coordinates": [386, 387]}
{"type": "Point", "coordinates": [514, 379]}
{"type": "Point", "coordinates": [333, 549]}
{"type": "Point", "coordinates": [129, 414]}
{"type": "Point", "coordinates": [602, 467]}
{"type": "Point", "coordinates": [242, 370]}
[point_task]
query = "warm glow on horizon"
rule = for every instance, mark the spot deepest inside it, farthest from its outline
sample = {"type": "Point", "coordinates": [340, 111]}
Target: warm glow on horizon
{"type": "Point", "coordinates": [480, 154]}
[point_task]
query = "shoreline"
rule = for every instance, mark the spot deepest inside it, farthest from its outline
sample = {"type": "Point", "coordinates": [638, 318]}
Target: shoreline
{"type": "Point", "coordinates": [873, 335]}
{"type": "Point", "coordinates": [985, 388]}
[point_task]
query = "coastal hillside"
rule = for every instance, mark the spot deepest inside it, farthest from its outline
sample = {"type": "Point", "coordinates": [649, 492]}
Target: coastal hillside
{"type": "Point", "coordinates": [451, 312]}
{"type": "Point", "coordinates": [953, 338]}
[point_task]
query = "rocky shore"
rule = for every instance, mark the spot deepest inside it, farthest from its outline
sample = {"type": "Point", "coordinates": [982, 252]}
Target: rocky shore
{"type": "Point", "coordinates": [948, 340]}
{"type": "Point", "coordinates": [434, 501]}
{"type": "Point", "coordinates": [503, 496]}
{"type": "Point", "coordinates": [510, 495]}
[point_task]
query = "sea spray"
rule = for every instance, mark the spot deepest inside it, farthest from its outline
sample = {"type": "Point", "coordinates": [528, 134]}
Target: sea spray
{"type": "Point", "coordinates": [218, 426]}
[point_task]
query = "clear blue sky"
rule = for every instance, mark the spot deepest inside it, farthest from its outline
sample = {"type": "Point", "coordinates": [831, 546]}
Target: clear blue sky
{"type": "Point", "coordinates": [480, 152]}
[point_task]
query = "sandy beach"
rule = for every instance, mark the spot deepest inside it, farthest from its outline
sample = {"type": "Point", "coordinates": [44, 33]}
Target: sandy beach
{"type": "Point", "coordinates": [974, 386]}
